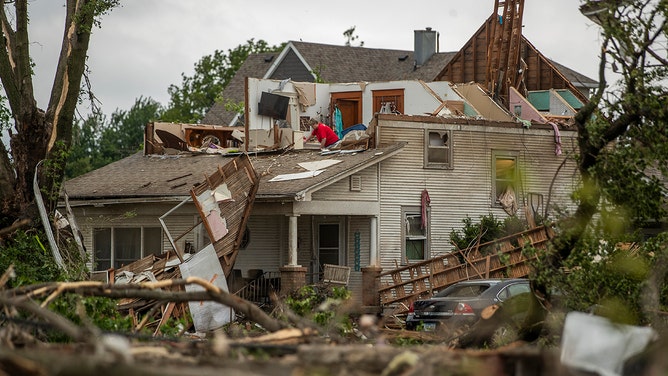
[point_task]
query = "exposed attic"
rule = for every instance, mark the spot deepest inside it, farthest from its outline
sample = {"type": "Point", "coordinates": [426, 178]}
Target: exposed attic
{"type": "Point", "coordinates": [500, 57]}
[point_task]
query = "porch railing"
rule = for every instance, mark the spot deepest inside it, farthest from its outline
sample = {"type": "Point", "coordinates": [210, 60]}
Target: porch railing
{"type": "Point", "coordinates": [259, 289]}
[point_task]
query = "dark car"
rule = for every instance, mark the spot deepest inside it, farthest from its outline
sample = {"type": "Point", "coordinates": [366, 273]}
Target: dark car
{"type": "Point", "coordinates": [462, 302]}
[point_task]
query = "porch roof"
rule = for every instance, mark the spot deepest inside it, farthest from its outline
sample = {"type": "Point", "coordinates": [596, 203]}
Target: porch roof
{"type": "Point", "coordinates": [155, 178]}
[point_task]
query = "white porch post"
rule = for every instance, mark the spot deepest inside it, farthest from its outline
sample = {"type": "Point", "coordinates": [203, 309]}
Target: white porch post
{"type": "Point", "coordinates": [292, 241]}
{"type": "Point", "coordinates": [373, 242]}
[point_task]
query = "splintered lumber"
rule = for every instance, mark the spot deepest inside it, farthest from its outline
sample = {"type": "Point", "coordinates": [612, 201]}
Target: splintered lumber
{"type": "Point", "coordinates": [506, 257]}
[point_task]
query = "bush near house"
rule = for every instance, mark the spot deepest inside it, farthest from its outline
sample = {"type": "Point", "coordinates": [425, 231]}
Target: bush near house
{"type": "Point", "coordinates": [488, 228]}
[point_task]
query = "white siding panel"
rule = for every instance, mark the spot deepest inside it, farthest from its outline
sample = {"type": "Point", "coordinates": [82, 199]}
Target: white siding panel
{"type": "Point", "coordinates": [341, 189]}
{"type": "Point", "coordinates": [464, 190]}
{"type": "Point", "coordinates": [267, 236]}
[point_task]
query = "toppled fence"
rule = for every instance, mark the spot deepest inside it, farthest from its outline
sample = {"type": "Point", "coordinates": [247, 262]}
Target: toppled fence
{"type": "Point", "coordinates": [502, 258]}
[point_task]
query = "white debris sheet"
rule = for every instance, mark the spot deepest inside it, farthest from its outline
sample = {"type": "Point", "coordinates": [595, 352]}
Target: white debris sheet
{"type": "Point", "coordinates": [207, 315]}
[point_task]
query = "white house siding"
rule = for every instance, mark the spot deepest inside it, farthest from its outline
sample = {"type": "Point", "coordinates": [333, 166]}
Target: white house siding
{"type": "Point", "coordinates": [464, 190]}
{"type": "Point", "coordinates": [268, 234]}
{"type": "Point", "coordinates": [136, 215]}
{"type": "Point", "coordinates": [341, 189]}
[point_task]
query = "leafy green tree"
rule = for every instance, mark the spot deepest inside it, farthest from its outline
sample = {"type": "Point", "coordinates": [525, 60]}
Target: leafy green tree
{"type": "Point", "coordinates": [124, 134]}
{"type": "Point", "coordinates": [622, 160]}
{"type": "Point", "coordinates": [98, 142]}
{"type": "Point", "coordinates": [623, 129]}
{"type": "Point", "coordinates": [40, 134]}
{"type": "Point", "coordinates": [84, 148]}
{"type": "Point", "coordinates": [197, 93]}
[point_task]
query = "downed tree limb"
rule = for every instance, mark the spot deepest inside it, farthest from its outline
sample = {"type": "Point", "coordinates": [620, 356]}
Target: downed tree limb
{"type": "Point", "coordinates": [151, 290]}
{"type": "Point", "coordinates": [15, 226]}
{"type": "Point", "coordinates": [64, 325]}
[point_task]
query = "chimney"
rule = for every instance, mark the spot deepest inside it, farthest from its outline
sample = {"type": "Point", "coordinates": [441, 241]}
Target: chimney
{"type": "Point", "coordinates": [426, 44]}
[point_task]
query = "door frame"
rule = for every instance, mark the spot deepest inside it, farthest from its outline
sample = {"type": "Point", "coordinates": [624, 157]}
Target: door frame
{"type": "Point", "coordinates": [328, 220]}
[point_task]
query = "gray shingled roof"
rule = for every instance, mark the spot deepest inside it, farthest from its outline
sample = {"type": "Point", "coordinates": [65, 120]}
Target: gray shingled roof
{"type": "Point", "coordinates": [352, 64]}
{"type": "Point", "coordinates": [158, 177]}
{"type": "Point", "coordinates": [576, 78]}
{"type": "Point", "coordinates": [334, 64]}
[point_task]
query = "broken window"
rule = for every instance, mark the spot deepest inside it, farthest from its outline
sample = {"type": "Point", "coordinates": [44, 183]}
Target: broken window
{"type": "Point", "coordinates": [388, 101]}
{"type": "Point", "coordinates": [118, 246]}
{"type": "Point", "coordinates": [438, 149]}
{"type": "Point", "coordinates": [505, 174]}
{"type": "Point", "coordinates": [415, 234]}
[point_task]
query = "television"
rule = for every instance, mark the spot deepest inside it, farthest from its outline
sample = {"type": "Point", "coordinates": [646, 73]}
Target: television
{"type": "Point", "coordinates": [273, 105]}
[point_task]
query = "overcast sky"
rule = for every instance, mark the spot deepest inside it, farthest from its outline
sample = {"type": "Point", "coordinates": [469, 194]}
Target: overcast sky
{"type": "Point", "coordinates": [143, 46]}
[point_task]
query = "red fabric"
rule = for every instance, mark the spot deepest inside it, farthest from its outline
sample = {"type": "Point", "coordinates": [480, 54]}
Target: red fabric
{"type": "Point", "coordinates": [323, 131]}
{"type": "Point", "coordinates": [425, 201]}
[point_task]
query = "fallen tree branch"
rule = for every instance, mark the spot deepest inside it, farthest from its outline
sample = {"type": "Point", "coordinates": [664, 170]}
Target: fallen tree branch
{"type": "Point", "coordinates": [15, 226]}
{"type": "Point", "coordinates": [153, 291]}
{"type": "Point", "coordinates": [59, 322]}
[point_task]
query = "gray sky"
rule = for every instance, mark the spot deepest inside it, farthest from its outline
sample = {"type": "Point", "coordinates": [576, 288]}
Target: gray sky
{"type": "Point", "coordinates": [145, 45]}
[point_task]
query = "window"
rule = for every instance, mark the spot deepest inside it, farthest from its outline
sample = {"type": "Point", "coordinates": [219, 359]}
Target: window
{"type": "Point", "coordinates": [505, 174]}
{"type": "Point", "coordinates": [438, 149]}
{"type": "Point", "coordinates": [415, 233]}
{"type": "Point", "coordinates": [118, 246]}
{"type": "Point", "coordinates": [514, 290]}
{"type": "Point", "coordinates": [388, 101]}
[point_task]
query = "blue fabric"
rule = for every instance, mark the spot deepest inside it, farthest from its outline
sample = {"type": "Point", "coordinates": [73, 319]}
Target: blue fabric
{"type": "Point", "coordinates": [338, 123]}
{"type": "Point", "coordinates": [356, 127]}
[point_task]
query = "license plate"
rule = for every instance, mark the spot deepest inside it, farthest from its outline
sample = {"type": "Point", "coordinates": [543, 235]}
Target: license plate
{"type": "Point", "coordinates": [429, 326]}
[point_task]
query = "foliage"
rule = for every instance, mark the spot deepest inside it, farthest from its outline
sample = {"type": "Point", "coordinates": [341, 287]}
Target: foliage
{"type": "Point", "coordinates": [98, 311]}
{"type": "Point", "coordinates": [20, 251]}
{"type": "Point", "coordinates": [606, 275]}
{"type": "Point", "coordinates": [197, 93]}
{"type": "Point", "coordinates": [98, 142]}
{"type": "Point", "coordinates": [318, 302]}
{"type": "Point", "coordinates": [622, 130]}
{"type": "Point", "coordinates": [488, 229]}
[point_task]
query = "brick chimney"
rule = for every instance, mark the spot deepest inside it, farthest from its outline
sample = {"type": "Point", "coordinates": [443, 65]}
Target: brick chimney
{"type": "Point", "coordinates": [426, 44]}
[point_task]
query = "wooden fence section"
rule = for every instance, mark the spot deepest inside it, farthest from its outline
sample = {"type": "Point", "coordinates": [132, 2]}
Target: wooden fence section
{"type": "Point", "coordinates": [501, 258]}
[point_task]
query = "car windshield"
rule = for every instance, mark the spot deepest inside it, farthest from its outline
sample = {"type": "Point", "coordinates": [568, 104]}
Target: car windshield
{"type": "Point", "coordinates": [464, 291]}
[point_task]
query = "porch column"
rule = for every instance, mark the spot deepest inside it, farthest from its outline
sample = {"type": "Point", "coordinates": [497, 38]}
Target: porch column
{"type": "Point", "coordinates": [373, 242]}
{"type": "Point", "coordinates": [371, 274]}
{"type": "Point", "coordinates": [293, 276]}
{"type": "Point", "coordinates": [292, 241]}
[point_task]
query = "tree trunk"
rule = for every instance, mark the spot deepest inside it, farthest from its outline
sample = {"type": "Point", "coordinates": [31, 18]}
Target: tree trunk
{"type": "Point", "coordinates": [41, 135]}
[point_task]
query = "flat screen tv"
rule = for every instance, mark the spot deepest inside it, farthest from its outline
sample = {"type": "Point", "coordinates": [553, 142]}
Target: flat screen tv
{"type": "Point", "coordinates": [273, 105]}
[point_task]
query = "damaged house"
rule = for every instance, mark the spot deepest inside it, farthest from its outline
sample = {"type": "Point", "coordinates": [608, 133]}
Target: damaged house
{"type": "Point", "coordinates": [428, 152]}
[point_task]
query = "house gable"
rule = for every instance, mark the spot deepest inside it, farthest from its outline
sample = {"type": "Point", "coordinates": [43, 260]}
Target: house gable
{"type": "Point", "coordinates": [471, 63]}
{"type": "Point", "coordinates": [290, 64]}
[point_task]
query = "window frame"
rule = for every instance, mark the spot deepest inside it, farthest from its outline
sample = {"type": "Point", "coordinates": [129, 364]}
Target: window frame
{"type": "Point", "coordinates": [414, 211]}
{"type": "Point", "coordinates": [395, 96]}
{"type": "Point", "coordinates": [448, 165]}
{"type": "Point", "coordinates": [113, 258]}
{"type": "Point", "coordinates": [497, 155]}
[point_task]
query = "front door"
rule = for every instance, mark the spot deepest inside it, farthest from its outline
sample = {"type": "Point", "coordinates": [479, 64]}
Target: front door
{"type": "Point", "coordinates": [350, 105]}
{"type": "Point", "coordinates": [329, 244]}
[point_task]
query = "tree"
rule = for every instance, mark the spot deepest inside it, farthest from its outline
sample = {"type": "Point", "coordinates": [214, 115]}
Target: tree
{"type": "Point", "coordinates": [40, 134]}
{"type": "Point", "coordinates": [622, 133]}
{"type": "Point", "coordinates": [197, 93]}
{"type": "Point", "coordinates": [351, 36]}
{"type": "Point", "coordinates": [97, 142]}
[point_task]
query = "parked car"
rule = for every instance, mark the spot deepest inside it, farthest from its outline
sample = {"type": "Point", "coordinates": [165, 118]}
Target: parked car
{"type": "Point", "coordinates": [462, 302]}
